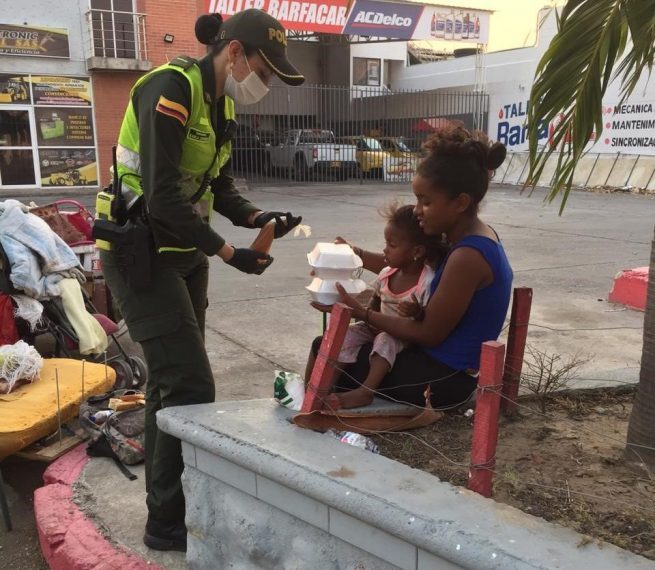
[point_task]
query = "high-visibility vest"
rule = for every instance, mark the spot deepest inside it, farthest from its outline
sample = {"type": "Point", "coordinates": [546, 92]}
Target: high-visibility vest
{"type": "Point", "coordinates": [199, 157]}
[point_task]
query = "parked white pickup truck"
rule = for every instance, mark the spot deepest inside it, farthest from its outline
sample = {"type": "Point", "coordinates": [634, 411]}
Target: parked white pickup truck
{"type": "Point", "coordinates": [310, 152]}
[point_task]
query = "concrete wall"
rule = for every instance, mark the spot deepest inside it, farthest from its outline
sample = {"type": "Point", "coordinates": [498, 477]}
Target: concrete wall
{"type": "Point", "coordinates": [262, 493]}
{"type": "Point", "coordinates": [593, 170]}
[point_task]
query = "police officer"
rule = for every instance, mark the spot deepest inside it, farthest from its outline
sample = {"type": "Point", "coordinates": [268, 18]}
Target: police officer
{"type": "Point", "coordinates": [173, 158]}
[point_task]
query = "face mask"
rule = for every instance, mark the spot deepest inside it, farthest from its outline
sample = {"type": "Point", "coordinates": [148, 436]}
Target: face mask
{"type": "Point", "coordinates": [247, 92]}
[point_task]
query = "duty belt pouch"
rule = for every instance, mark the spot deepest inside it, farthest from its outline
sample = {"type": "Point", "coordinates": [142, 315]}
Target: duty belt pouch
{"type": "Point", "coordinates": [137, 256]}
{"type": "Point", "coordinates": [133, 247]}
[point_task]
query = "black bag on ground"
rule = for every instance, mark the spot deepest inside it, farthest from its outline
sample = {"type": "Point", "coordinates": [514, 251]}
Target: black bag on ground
{"type": "Point", "coordinates": [121, 436]}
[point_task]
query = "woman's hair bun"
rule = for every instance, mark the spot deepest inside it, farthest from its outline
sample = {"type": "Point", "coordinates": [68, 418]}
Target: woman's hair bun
{"type": "Point", "coordinates": [496, 156]}
{"type": "Point", "coordinates": [207, 28]}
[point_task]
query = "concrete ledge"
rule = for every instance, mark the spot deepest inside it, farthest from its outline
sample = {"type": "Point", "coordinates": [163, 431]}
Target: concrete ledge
{"type": "Point", "coordinates": [69, 540]}
{"type": "Point", "coordinates": [630, 288]}
{"type": "Point", "coordinates": [117, 64]}
{"type": "Point", "coordinates": [248, 467]}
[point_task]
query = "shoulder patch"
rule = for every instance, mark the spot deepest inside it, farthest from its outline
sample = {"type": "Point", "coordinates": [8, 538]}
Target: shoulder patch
{"type": "Point", "coordinates": [172, 109]}
{"type": "Point", "coordinates": [183, 61]}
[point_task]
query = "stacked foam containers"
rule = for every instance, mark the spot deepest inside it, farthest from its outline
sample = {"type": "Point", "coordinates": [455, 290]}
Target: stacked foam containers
{"type": "Point", "coordinates": [333, 263]}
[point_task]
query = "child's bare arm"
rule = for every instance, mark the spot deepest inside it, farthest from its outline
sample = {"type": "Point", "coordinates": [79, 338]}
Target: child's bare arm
{"type": "Point", "coordinates": [412, 309]}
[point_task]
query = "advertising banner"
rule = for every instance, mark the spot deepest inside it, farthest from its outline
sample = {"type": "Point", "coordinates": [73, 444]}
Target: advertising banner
{"type": "Point", "coordinates": [61, 90]}
{"type": "Point", "coordinates": [14, 89]}
{"type": "Point", "coordinates": [68, 167]}
{"type": "Point", "coordinates": [31, 40]}
{"type": "Point", "coordinates": [628, 128]}
{"type": "Point", "coordinates": [57, 126]}
{"type": "Point", "coordinates": [325, 16]}
{"type": "Point", "coordinates": [393, 20]}
{"type": "Point", "coordinates": [453, 24]}
{"type": "Point", "coordinates": [383, 19]}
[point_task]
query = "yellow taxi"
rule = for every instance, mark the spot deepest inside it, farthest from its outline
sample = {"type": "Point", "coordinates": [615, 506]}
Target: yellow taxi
{"type": "Point", "coordinates": [396, 147]}
{"type": "Point", "coordinates": [402, 163]}
{"type": "Point", "coordinates": [370, 155]}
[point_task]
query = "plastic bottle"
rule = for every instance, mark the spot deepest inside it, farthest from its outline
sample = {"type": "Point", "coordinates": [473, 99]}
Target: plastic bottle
{"type": "Point", "coordinates": [355, 439]}
{"type": "Point", "coordinates": [450, 25]}
{"type": "Point", "coordinates": [440, 26]}
{"type": "Point", "coordinates": [458, 26]}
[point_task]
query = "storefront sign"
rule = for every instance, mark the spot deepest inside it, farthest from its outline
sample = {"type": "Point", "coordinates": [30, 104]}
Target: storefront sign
{"type": "Point", "coordinates": [58, 126]}
{"type": "Point", "coordinates": [35, 41]}
{"type": "Point", "coordinates": [14, 89]}
{"type": "Point", "coordinates": [326, 16]}
{"type": "Point", "coordinates": [512, 126]}
{"type": "Point", "coordinates": [383, 19]}
{"type": "Point", "coordinates": [628, 128]}
{"type": "Point", "coordinates": [394, 20]}
{"type": "Point", "coordinates": [68, 167]}
{"type": "Point", "coordinates": [57, 90]}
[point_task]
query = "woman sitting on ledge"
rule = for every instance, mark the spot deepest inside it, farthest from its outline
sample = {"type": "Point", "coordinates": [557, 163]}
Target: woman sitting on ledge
{"type": "Point", "coordinates": [470, 292]}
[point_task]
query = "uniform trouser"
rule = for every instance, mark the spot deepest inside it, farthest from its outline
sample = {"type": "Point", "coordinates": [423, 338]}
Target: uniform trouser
{"type": "Point", "coordinates": [168, 320]}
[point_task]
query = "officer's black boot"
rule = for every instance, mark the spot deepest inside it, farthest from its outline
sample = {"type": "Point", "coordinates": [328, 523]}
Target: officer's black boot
{"type": "Point", "coordinates": [165, 535]}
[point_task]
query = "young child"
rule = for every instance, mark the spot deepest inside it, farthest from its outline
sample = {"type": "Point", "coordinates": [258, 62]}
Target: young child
{"type": "Point", "coordinates": [401, 289]}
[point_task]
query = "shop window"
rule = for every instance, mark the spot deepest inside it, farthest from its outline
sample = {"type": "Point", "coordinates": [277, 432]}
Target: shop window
{"type": "Point", "coordinates": [114, 28]}
{"type": "Point", "coordinates": [366, 71]}
{"type": "Point", "coordinates": [47, 134]}
{"type": "Point", "coordinates": [16, 155]}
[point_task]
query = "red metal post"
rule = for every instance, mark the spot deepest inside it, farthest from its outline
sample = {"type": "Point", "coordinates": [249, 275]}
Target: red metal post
{"type": "Point", "coordinates": [485, 425]}
{"type": "Point", "coordinates": [516, 339]}
{"type": "Point", "coordinates": [323, 374]}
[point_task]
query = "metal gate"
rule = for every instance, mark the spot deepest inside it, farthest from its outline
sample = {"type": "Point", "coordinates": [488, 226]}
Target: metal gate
{"type": "Point", "coordinates": [323, 134]}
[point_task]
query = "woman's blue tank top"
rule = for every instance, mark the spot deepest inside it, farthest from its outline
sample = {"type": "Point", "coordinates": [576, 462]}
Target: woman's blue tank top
{"type": "Point", "coordinates": [484, 318]}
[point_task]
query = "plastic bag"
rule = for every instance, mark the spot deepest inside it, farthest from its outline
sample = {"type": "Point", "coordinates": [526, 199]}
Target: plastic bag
{"type": "Point", "coordinates": [289, 389]}
{"type": "Point", "coordinates": [19, 363]}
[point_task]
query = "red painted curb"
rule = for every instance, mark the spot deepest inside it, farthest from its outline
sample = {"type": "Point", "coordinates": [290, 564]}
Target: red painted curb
{"type": "Point", "coordinates": [67, 468]}
{"type": "Point", "coordinates": [630, 288]}
{"type": "Point", "coordinates": [69, 540]}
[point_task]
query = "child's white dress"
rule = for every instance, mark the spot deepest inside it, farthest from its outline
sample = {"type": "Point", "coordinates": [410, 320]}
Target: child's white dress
{"type": "Point", "coordinates": [385, 345]}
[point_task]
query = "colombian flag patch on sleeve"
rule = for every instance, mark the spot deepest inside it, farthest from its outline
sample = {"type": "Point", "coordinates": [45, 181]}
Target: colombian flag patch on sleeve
{"type": "Point", "coordinates": [172, 109]}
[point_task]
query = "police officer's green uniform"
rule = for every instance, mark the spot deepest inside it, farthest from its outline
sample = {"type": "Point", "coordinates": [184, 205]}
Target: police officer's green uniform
{"type": "Point", "coordinates": [168, 122]}
{"type": "Point", "coordinates": [175, 135]}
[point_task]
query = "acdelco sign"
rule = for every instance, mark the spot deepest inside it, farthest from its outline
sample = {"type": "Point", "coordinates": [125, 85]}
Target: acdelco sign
{"type": "Point", "coordinates": [383, 19]}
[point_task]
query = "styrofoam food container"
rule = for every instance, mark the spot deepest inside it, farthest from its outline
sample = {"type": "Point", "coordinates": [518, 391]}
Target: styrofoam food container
{"type": "Point", "coordinates": [324, 291]}
{"type": "Point", "coordinates": [333, 256]}
{"type": "Point", "coordinates": [333, 274]}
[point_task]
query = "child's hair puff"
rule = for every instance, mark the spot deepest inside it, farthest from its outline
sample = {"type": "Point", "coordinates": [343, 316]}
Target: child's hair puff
{"type": "Point", "coordinates": [403, 218]}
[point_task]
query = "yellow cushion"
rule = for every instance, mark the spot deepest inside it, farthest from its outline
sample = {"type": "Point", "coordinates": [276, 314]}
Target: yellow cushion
{"type": "Point", "coordinates": [30, 412]}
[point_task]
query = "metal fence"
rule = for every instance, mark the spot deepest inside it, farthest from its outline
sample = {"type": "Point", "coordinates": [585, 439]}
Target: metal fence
{"type": "Point", "coordinates": [113, 33]}
{"type": "Point", "coordinates": [323, 134]}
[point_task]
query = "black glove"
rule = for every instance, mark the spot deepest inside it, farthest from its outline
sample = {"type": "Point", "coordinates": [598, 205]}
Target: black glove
{"type": "Point", "coordinates": [247, 260]}
{"type": "Point", "coordinates": [283, 222]}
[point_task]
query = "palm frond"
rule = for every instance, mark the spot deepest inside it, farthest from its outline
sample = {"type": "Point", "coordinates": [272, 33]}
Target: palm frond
{"type": "Point", "coordinates": [574, 73]}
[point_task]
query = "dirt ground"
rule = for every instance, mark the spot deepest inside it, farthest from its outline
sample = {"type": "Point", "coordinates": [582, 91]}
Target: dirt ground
{"type": "Point", "coordinates": [567, 468]}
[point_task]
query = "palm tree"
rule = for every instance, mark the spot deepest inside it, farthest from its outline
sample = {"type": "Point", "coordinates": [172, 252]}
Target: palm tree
{"type": "Point", "coordinates": [598, 41]}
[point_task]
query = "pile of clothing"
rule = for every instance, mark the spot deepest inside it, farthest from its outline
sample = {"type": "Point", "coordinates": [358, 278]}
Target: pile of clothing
{"type": "Point", "coordinates": [37, 267]}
